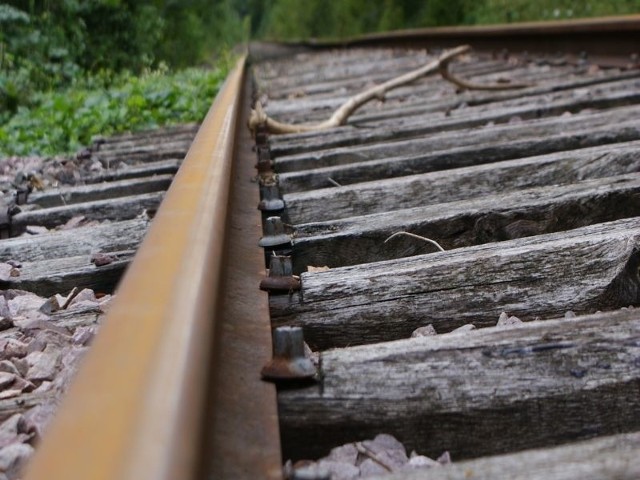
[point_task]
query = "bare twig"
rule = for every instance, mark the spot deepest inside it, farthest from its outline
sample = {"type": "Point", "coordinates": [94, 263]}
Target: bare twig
{"type": "Point", "coordinates": [450, 77]}
{"type": "Point", "coordinates": [373, 456]}
{"type": "Point", "coordinates": [413, 235]}
{"type": "Point", "coordinates": [258, 116]}
{"type": "Point", "coordinates": [333, 182]}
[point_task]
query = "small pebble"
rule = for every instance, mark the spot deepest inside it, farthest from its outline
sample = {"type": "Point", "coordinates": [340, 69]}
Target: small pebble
{"type": "Point", "coordinates": [420, 461]}
{"type": "Point", "coordinates": [464, 328]}
{"type": "Point", "coordinates": [444, 459]}
{"type": "Point", "coordinates": [6, 379]}
{"type": "Point", "coordinates": [4, 308]}
{"type": "Point", "coordinates": [43, 365]}
{"type": "Point", "coordinates": [101, 259]}
{"type": "Point", "coordinates": [7, 272]}
{"type": "Point", "coordinates": [569, 314]}
{"type": "Point", "coordinates": [507, 321]}
{"type": "Point", "coordinates": [13, 457]}
{"type": "Point", "coordinates": [85, 295]}
{"type": "Point", "coordinates": [369, 468]}
{"type": "Point", "coordinates": [345, 454]}
{"type": "Point", "coordinates": [9, 367]}
{"type": "Point", "coordinates": [426, 331]}
{"type": "Point", "coordinates": [339, 470]}
{"type": "Point", "coordinates": [36, 229]}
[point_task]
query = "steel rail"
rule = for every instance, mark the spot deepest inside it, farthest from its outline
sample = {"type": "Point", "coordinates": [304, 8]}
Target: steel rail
{"type": "Point", "coordinates": [608, 40]}
{"type": "Point", "coordinates": [137, 408]}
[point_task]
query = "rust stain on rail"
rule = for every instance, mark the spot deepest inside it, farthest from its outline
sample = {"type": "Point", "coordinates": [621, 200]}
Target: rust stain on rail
{"type": "Point", "coordinates": [136, 408]}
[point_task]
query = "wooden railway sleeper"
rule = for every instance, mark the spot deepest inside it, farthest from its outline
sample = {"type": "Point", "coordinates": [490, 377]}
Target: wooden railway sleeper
{"type": "Point", "coordinates": [275, 241]}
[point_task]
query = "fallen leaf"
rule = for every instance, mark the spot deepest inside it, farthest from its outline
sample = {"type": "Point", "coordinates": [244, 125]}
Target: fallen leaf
{"type": "Point", "coordinates": [312, 269]}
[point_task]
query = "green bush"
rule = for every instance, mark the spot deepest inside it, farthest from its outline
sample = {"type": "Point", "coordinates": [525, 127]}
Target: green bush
{"type": "Point", "coordinates": [64, 121]}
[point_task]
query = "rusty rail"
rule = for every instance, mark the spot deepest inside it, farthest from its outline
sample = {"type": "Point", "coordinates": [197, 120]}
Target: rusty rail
{"type": "Point", "coordinates": [609, 41]}
{"type": "Point", "coordinates": [136, 409]}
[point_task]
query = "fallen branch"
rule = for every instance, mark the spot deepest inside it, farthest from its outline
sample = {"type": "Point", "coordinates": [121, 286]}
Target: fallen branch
{"type": "Point", "coordinates": [413, 235]}
{"type": "Point", "coordinates": [259, 118]}
{"type": "Point", "coordinates": [364, 450]}
{"type": "Point", "coordinates": [466, 85]}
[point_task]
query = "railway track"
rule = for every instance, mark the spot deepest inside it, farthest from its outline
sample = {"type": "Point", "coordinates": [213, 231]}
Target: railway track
{"type": "Point", "coordinates": [463, 265]}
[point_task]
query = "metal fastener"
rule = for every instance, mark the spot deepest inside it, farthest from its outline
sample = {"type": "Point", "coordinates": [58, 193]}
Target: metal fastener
{"type": "Point", "coordinates": [265, 163]}
{"type": "Point", "coordinates": [271, 201]}
{"type": "Point", "coordinates": [264, 153]}
{"type": "Point", "coordinates": [264, 166]}
{"type": "Point", "coordinates": [281, 277]}
{"type": "Point", "coordinates": [274, 234]}
{"type": "Point", "coordinates": [262, 135]}
{"type": "Point", "coordinates": [289, 361]}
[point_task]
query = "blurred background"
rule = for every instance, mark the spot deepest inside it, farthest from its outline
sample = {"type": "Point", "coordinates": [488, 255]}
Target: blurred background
{"type": "Point", "coordinates": [59, 57]}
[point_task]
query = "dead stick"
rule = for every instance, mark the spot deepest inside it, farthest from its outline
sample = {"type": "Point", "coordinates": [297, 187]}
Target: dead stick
{"type": "Point", "coordinates": [450, 77]}
{"type": "Point", "coordinates": [259, 117]}
{"type": "Point", "coordinates": [372, 455]}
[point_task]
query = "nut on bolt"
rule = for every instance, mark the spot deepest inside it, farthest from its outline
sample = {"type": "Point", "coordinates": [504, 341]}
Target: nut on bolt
{"type": "Point", "coordinates": [274, 234]}
{"type": "Point", "coordinates": [289, 361]}
{"type": "Point", "coordinates": [281, 277]}
{"type": "Point", "coordinates": [271, 201]}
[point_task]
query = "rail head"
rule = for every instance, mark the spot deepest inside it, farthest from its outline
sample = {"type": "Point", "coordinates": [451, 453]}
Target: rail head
{"type": "Point", "coordinates": [608, 41]}
{"type": "Point", "coordinates": [119, 419]}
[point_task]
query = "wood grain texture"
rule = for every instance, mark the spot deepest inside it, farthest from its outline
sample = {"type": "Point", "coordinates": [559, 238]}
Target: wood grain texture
{"type": "Point", "coordinates": [106, 237]}
{"type": "Point", "coordinates": [586, 269]}
{"type": "Point", "coordinates": [417, 125]}
{"type": "Point", "coordinates": [56, 197]}
{"type": "Point", "coordinates": [468, 119]}
{"type": "Point", "coordinates": [122, 208]}
{"type": "Point", "coordinates": [496, 150]}
{"type": "Point", "coordinates": [160, 167]}
{"type": "Point", "coordinates": [481, 393]}
{"type": "Point", "coordinates": [147, 153]}
{"type": "Point", "coordinates": [484, 219]}
{"type": "Point", "coordinates": [462, 183]}
{"type": "Point", "coordinates": [61, 275]}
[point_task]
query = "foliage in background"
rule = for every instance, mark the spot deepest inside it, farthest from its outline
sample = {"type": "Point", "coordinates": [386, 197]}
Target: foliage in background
{"type": "Point", "coordinates": [285, 19]}
{"type": "Point", "coordinates": [74, 64]}
{"type": "Point", "coordinates": [65, 121]}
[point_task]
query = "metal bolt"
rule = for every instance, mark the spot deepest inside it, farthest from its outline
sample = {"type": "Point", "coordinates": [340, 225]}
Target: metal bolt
{"type": "Point", "coordinates": [262, 136]}
{"type": "Point", "coordinates": [264, 153]}
{"type": "Point", "coordinates": [274, 234]}
{"type": "Point", "coordinates": [264, 166]}
{"type": "Point", "coordinates": [281, 277]}
{"type": "Point", "coordinates": [289, 361]}
{"type": "Point", "coordinates": [271, 201]}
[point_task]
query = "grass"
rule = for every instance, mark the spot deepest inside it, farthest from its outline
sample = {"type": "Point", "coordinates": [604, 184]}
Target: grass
{"type": "Point", "coordinates": [62, 122]}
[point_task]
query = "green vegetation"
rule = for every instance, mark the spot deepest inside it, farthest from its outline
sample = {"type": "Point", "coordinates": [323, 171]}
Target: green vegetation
{"type": "Point", "coordinates": [65, 121]}
{"type": "Point", "coordinates": [284, 19]}
{"type": "Point", "coordinates": [73, 68]}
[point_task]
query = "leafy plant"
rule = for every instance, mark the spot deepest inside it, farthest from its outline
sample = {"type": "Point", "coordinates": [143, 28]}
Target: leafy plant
{"type": "Point", "coordinates": [61, 122]}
